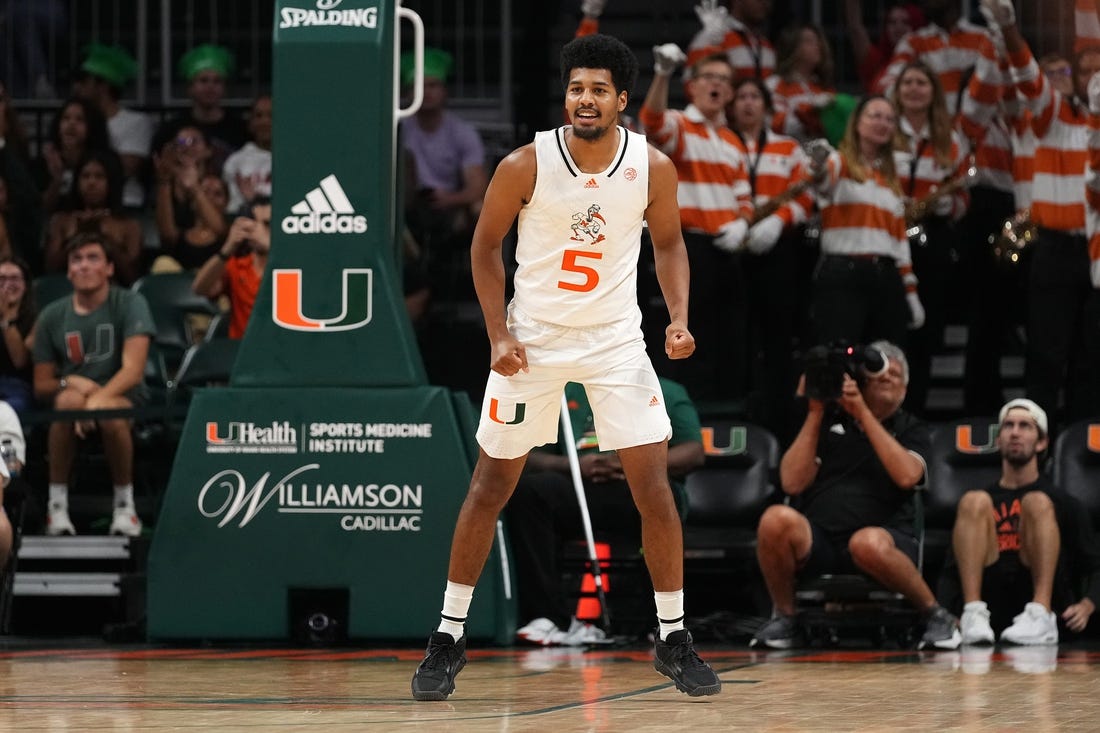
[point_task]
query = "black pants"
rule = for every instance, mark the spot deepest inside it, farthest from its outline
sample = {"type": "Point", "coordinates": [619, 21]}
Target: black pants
{"type": "Point", "coordinates": [1058, 290]}
{"type": "Point", "coordinates": [934, 263]}
{"type": "Point", "coordinates": [542, 515]}
{"type": "Point", "coordinates": [717, 319]}
{"type": "Point", "coordinates": [859, 299]}
{"type": "Point", "coordinates": [996, 302]}
{"type": "Point", "coordinates": [776, 304]}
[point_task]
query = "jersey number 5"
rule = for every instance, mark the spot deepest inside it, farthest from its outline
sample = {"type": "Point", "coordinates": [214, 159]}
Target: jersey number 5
{"type": "Point", "coordinates": [569, 263]}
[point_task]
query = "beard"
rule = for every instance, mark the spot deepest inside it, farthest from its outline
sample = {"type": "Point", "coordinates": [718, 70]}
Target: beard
{"type": "Point", "coordinates": [1020, 458]}
{"type": "Point", "coordinates": [590, 133]}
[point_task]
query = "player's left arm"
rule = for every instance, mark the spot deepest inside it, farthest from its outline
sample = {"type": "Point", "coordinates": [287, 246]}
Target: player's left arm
{"type": "Point", "coordinates": [669, 252]}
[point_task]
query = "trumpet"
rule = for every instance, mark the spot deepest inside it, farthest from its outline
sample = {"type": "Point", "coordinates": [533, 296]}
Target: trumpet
{"type": "Point", "coordinates": [918, 210]}
{"type": "Point", "coordinates": [773, 204]}
{"type": "Point", "coordinates": [1016, 234]}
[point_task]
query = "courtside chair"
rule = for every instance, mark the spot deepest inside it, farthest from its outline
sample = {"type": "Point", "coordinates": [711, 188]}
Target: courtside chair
{"type": "Point", "coordinates": [1077, 465]}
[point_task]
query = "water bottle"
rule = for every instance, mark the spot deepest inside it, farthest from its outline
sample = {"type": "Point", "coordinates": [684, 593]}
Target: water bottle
{"type": "Point", "coordinates": [11, 460]}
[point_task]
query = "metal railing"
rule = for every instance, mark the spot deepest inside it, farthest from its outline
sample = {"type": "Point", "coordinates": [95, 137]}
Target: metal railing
{"type": "Point", "coordinates": [42, 42]}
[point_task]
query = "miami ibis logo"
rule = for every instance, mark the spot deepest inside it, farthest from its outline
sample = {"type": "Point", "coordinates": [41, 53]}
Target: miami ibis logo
{"type": "Point", "coordinates": [325, 210]}
{"type": "Point", "coordinates": [587, 225]}
{"type": "Point", "coordinates": [288, 310]}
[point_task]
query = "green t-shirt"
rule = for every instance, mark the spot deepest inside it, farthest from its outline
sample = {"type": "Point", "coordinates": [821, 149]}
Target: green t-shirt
{"type": "Point", "coordinates": [681, 413]}
{"type": "Point", "coordinates": [91, 345]}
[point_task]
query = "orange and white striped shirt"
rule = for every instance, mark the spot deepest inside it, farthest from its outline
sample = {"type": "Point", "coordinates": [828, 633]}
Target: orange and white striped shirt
{"type": "Point", "coordinates": [714, 181]}
{"type": "Point", "coordinates": [919, 173]}
{"type": "Point", "coordinates": [1092, 198]}
{"type": "Point", "coordinates": [1023, 142]}
{"type": "Point", "coordinates": [951, 55]}
{"type": "Point", "coordinates": [1086, 20]}
{"type": "Point", "coordinates": [865, 218]}
{"type": "Point", "coordinates": [1061, 154]}
{"type": "Point", "coordinates": [794, 103]}
{"type": "Point", "coordinates": [774, 167]}
{"type": "Point", "coordinates": [750, 53]}
{"type": "Point", "coordinates": [994, 156]}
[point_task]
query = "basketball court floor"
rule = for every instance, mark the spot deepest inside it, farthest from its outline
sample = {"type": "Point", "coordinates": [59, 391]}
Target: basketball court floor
{"type": "Point", "coordinates": [93, 687]}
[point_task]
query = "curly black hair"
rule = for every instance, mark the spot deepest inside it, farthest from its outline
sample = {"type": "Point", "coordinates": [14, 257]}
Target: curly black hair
{"type": "Point", "coordinates": [599, 51]}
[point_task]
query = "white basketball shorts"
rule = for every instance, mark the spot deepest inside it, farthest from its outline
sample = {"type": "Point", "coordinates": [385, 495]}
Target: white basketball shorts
{"type": "Point", "coordinates": [523, 411]}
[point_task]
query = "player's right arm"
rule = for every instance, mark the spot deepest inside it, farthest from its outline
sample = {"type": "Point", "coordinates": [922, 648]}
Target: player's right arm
{"type": "Point", "coordinates": [510, 190]}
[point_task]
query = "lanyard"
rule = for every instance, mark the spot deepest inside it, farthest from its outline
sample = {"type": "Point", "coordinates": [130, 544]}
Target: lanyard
{"type": "Point", "coordinates": [752, 49]}
{"type": "Point", "coordinates": [754, 162]}
{"type": "Point", "coordinates": [913, 165]}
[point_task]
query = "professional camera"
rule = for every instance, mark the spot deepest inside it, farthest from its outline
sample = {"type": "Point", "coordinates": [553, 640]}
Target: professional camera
{"type": "Point", "coordinates": [826, 365]}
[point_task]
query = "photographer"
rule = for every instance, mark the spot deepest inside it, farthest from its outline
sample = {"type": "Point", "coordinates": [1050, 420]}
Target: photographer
{"type": "Point", "coordinates": [237, 268]}
{"type": "Point", "coordinates": [850, 472]}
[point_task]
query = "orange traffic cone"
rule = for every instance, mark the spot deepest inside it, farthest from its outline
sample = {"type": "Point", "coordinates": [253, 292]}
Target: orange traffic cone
{"type": "Point", "coordinates": [588, 605]}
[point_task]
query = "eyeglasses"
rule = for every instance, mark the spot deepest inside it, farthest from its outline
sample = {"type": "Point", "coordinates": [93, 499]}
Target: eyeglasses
{"type": "Point", "coordinates": [11, 278]}
{"type": "Point", "coordinates": [711, 76]}
{"type": "Point", "coordinates": [1059, 71]}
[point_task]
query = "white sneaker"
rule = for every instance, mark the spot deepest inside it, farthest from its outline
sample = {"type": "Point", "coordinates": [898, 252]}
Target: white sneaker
{"type": "Point", "coordinates": [581, 634]}
{"type": "Point", "coordinates": [58, 522]}
{"type": "Point", "coordinates": [125, 522]}
{"type": "Point", "coordinates": [974, 624]}
{"type": "Point", "coordinates": [541, 632]}
{"type": "Point", "coordinates": [1034, 626]}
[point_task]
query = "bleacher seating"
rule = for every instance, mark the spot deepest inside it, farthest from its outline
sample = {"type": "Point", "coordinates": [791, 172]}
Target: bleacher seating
{"type": "Point", "coordinates": [174, 305]}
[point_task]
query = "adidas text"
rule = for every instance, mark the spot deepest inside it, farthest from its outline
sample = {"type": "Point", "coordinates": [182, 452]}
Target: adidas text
{"type": "Point", "coordinates": [325, 210]}
{"type": "Point", "coordinates": [328, 223]}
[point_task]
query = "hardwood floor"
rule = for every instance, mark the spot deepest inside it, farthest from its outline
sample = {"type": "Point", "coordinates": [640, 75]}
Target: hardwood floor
{"type": "Point", "coordinates": [560, 690]}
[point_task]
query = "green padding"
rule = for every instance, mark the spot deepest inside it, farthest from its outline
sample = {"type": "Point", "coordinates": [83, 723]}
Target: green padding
{"type": "Point", "coordinates": [330, 309]}
{"type": "Point", "coordinates": [316, 488]}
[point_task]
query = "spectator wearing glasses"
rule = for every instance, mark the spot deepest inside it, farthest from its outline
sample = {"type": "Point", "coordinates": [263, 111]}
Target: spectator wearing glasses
{"type": "Point", "coordinates": [715, 209]}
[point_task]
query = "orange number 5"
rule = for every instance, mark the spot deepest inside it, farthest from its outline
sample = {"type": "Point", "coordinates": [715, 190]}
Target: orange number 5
{"type": "Point", "coordinates": [569, 264]}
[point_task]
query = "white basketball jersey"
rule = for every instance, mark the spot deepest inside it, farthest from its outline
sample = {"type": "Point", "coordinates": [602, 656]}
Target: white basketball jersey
{"type": "Point", "coordinates": [580, 235]}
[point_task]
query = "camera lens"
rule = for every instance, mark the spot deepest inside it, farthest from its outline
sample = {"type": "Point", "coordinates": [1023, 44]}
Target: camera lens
{"type": "Point", "coordinates": [875, 363]}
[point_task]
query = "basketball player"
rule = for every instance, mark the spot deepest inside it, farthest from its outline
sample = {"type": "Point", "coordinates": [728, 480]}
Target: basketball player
{"type": "Point", "coordinates": [581, 193]}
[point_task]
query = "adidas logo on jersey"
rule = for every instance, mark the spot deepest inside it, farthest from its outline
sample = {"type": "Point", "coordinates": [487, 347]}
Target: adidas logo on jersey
{"type": "Point", "coordinates": [654, 402]}
{"type": "Point", "coordinates": [325, 210]}
{"type": "Point", "coordinates": [591, 183]}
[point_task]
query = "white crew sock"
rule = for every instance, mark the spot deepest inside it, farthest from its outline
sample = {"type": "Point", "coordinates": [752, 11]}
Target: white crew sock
{"type": "Point", "coordinates": [59, 496]}
{"type": "Point", "coordinates": [456, 604]}
{"type": "Point", "coordinates": [670, 611]}
{"type": "Point", "coordinates": [124, 496]}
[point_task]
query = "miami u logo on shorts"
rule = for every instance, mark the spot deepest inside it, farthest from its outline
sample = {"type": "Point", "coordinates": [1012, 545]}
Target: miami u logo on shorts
{"type": "Point", "coordinates": [494, 412]}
